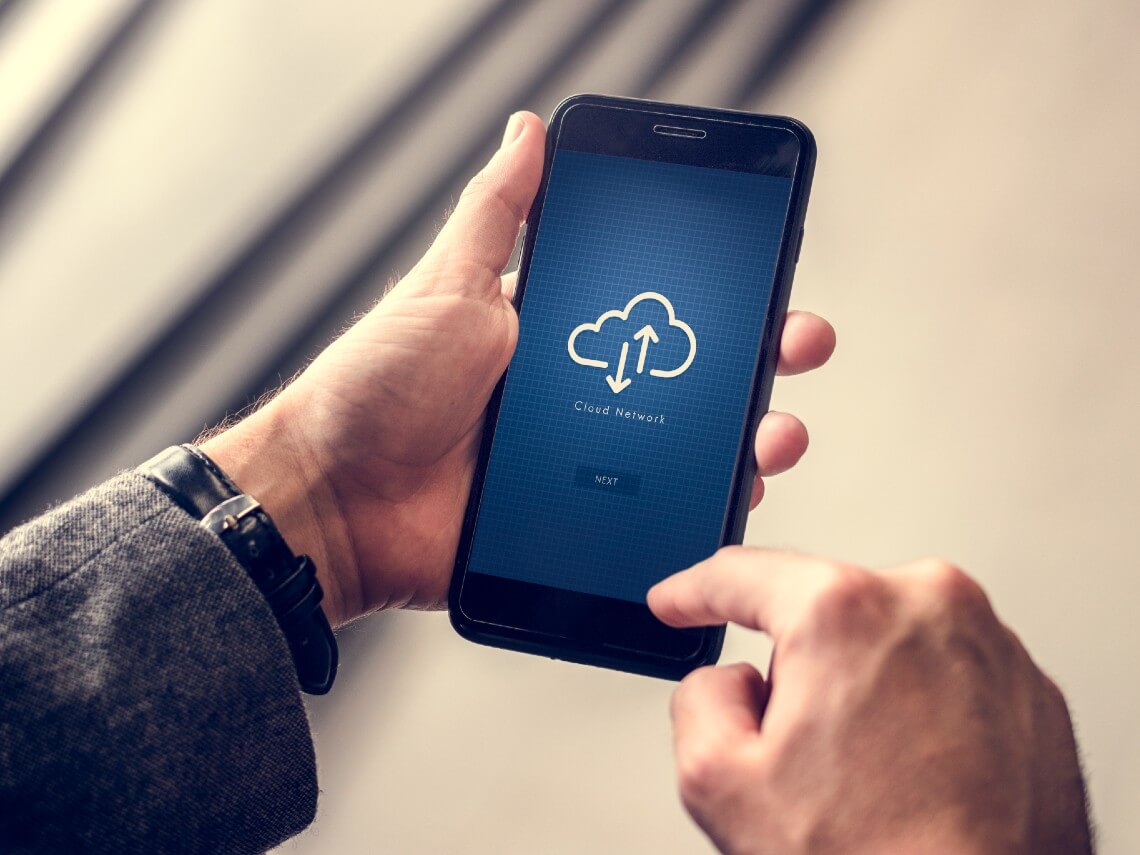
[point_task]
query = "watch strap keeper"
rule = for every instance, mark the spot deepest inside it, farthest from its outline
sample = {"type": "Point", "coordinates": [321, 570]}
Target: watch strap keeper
{"type": "Point", "coordinates": [288, 582]}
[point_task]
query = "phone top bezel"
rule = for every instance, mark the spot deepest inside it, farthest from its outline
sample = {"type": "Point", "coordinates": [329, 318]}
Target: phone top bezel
{"type": "Point", "coordinates": [729, 143]}
{"type": "Point", "coordinates": [553, 601]}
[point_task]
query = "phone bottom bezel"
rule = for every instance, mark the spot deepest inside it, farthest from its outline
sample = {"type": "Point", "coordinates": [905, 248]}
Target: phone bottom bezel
{"type": "Point", "coordinates": [578, 627]}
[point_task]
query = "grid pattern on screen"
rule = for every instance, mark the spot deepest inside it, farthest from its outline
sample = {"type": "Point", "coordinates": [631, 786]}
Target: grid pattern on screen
{"type": "Point", "coordinates": [613, 228]}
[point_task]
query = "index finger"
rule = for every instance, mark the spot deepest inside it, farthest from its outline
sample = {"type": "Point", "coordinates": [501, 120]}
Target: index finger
{"type": "Point", "coordinates": [757, 588]}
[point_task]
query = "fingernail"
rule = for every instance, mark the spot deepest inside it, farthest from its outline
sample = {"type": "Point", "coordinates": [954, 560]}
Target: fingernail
{"type": "Point", "coordinates": [515, 126]}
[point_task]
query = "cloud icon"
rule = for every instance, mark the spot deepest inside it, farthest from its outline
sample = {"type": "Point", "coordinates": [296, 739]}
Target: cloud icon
{"type": "Point", "coordinates": [647, 336]}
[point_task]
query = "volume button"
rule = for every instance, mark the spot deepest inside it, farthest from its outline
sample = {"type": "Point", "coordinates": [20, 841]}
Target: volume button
{"type": "Point", "coordinates": [799, 244]}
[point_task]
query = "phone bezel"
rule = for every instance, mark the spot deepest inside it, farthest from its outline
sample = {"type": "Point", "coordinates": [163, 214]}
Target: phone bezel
{"type": "Point", "coordinates": [554, 612]}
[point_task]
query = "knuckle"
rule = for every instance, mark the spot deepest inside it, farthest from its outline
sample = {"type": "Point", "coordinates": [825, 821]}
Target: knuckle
{"type": "Point", "coordinates": [1053, 711]}
{"type": "Point", "coordinates": [1053, 694]}
{"type": "Point", "coordinates": [475, 186]}
{"type": "Point", "coordinates": [485, 188]}
{"type": "Point", "coordinates": [1011, 649]}
{"type": "Point", "coordinates": [734, 551]}
{"type": "Point", "coordinates": [950, 584]}
{"type": "Point", "coordinates": [1053, 691]}
{"type": "Point", "coordinates": [849, 599]}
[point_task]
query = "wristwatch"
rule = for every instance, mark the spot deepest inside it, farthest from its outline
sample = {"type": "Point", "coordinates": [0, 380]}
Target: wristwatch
{"type": "Point", "coordinates": [287, 581]}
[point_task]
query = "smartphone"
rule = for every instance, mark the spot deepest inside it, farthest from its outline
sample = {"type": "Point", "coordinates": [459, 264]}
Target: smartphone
{"type": "Point", "coordinates": [617, 450]}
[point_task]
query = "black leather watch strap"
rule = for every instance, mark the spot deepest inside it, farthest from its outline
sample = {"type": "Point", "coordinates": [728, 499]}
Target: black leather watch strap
{"type": "Point", "coordinates": [288, 582]}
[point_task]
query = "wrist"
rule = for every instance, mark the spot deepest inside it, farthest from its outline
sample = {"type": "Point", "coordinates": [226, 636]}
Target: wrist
{"type": "Point", "coordinates": [261, 455]}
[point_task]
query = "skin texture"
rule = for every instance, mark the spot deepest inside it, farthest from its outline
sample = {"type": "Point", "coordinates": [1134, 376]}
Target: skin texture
{"type": "Point", "coordinates": [899, 715]}
{"type": "Point", "coordinates": [365, 460]}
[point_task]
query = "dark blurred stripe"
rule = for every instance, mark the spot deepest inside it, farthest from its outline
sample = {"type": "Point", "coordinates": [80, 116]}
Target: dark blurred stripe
{"type": "Point", "coordinates": [161, 358]}
{"type": "Point", "coordinates": [700, 23]}
{"type": "Point", "coordinates": [788, 42]}
{"type": "Point", "coordinates": [6, 7]}
{"type": "Point", "coordinates": [39, 141]}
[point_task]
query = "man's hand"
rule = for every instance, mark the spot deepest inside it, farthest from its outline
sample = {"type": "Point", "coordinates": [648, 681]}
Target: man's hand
{"type": "Point", "coordinates": [899, 715]}
{"type": "Point", "coordinates": [365, 461]}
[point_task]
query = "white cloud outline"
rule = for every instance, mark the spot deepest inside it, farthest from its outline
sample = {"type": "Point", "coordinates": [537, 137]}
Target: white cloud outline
{"type": "Point", "coordinates": [596, 326]}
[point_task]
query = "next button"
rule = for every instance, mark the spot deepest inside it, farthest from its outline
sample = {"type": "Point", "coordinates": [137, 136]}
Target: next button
{"type": "Point", "coordinates": [599, 478]}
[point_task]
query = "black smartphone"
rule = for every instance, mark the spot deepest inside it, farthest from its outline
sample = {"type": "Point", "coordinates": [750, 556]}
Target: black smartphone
{"type": "Point", "coordinates": [617, 450]}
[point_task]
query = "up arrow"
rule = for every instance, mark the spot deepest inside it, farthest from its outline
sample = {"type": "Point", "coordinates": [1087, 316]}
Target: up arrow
{"type": "Point", "coordinates": [618, 383]}
{"type": "Point", "coordinates": [646, 334]}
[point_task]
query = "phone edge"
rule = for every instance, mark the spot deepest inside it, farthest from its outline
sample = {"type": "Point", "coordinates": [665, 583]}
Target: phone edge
{"type": "Point", "coordinates": [737, 513]}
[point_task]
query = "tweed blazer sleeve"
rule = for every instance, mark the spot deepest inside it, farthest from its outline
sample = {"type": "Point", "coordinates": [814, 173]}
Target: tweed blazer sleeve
{"type": "Point", "coordinates": [148, 701]}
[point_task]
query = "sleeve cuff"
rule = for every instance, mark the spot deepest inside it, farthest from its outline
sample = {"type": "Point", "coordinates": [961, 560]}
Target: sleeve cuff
{"type": "Point", "coordinates": [168, 714]}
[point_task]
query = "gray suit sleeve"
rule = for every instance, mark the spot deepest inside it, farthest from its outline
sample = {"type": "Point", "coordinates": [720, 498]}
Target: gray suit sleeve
{"type": "Point", "coordinates": [148, 701]}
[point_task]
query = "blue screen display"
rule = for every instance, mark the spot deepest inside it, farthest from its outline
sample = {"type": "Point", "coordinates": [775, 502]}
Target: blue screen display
{"type": "Point", "coordinates": [625, 402]}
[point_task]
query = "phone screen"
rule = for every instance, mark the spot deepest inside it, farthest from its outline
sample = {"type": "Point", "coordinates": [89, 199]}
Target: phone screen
{"type": "Point", "coordinates": [621, 419]}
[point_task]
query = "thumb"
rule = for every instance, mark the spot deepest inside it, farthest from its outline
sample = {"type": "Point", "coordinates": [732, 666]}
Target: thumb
{"type": "Point", "coordinates": [717, 704]}
{"type": "Point", "coordinates": [716, 713]}
{"type": "Point", "coordinates": [479, 237]}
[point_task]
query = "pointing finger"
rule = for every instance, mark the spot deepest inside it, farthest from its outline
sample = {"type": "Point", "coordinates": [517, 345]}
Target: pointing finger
{"type": "Point", "coordinates": [757, 588]}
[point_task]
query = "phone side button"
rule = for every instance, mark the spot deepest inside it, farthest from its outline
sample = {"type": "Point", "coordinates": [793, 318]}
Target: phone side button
{"type": "Point", "coordinates": [799, 244]}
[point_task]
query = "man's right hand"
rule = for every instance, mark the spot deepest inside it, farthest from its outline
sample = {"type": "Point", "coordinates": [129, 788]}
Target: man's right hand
{"type": "Point", "coordinates": [899, 715]}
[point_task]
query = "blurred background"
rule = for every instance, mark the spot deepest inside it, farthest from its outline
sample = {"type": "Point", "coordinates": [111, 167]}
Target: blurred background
{"type": "Point", "coordinates": [195, 196]}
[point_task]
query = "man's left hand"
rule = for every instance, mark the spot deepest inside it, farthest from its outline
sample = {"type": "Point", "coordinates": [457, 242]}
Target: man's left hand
{"type": "Point", "coordinates": [365, 461]}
